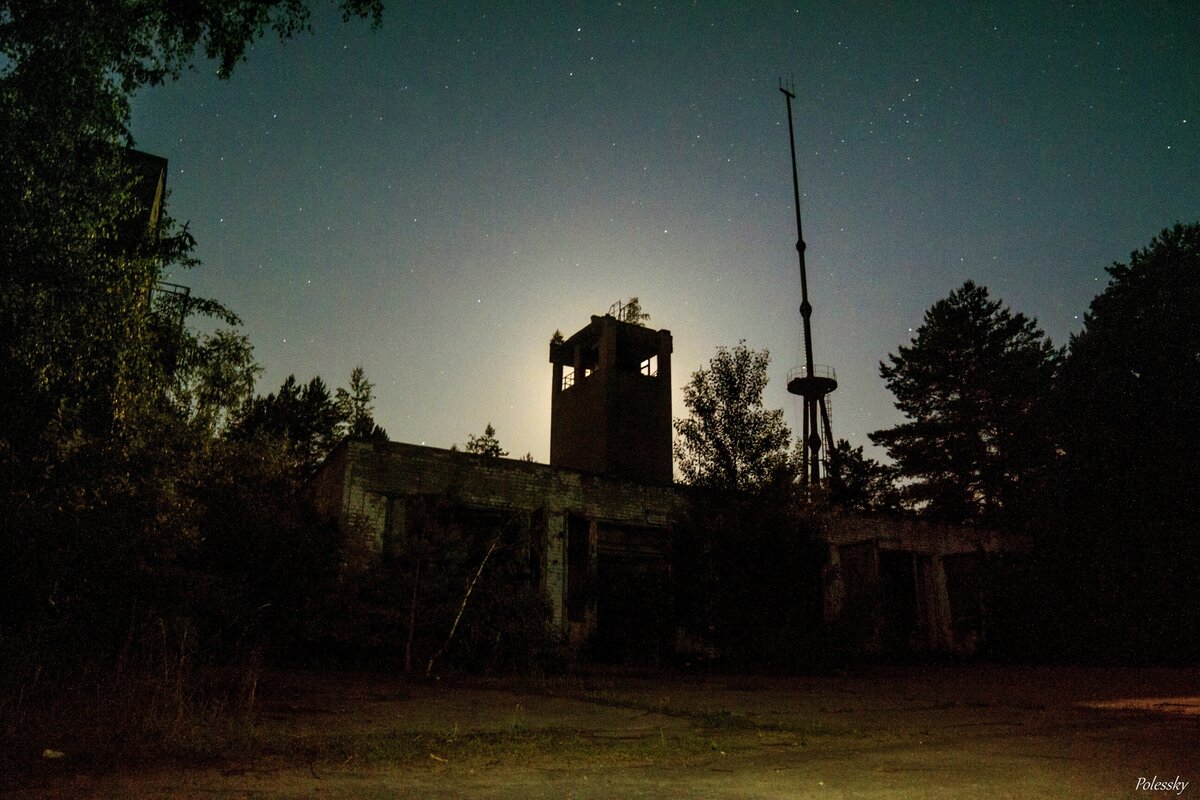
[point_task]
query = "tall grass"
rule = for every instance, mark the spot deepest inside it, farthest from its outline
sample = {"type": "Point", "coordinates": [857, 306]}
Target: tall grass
{"type": "Point", "coordinates": [159, 695]}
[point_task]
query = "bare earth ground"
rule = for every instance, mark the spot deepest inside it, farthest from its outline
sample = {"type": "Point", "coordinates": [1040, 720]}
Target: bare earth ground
{"type": "Point", "coordinates": [873, 732]}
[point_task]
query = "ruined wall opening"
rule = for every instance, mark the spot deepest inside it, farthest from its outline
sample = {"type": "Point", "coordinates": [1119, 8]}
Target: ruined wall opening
{"type": "Point", "coordinates": [968, 584]}
{"type": "Point", "coordinates": [578, 568]}
{"type": "Point", "coordinates": [900, 622]}
{"type": "Point", "coordinates": [634, 621]}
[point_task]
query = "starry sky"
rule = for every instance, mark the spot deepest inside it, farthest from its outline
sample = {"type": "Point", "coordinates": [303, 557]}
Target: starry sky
{"type": "Point", "coordinates": [434, 198]}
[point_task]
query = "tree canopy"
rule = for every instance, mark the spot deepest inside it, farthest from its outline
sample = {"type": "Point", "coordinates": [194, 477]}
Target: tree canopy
{"type": "Point", "coordinates": [730, 441]}
{"type": "Point", "coordinates": [971, 384]}
{"type": "Point", "coordinates": [81, 344]}
{"type": "Point", "coordinates": [1132, 374]}
{"type": "Point", "coordinates": [356, 407]}
{"type": "Point", "coordinates": [306, 421]}
{"type": "Point", "coordinates": [1118, 512]}
{"type": "Point", "coordinates": [631, 311]}
{"type": "Point", "coordinates": [486, 444]}
{"type": "Point", "coordinates": [146, 43]}
{"type": "Point", "coordinates": [862, 483]}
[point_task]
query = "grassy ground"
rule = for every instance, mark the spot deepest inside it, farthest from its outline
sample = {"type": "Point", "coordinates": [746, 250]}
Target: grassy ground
{"type": "Point", "coordinates": [945, 731]}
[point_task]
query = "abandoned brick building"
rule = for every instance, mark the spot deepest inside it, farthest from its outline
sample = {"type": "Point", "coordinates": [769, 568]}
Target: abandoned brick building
{"type": "Point", "coordinates": [604, 511]}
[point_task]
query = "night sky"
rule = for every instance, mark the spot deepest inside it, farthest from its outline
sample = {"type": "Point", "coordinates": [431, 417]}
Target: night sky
{"type": "Point", "coordinates": [432, 199]}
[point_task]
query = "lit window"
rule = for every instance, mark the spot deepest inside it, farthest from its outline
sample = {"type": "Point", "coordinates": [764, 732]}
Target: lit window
{"type": "Point", "coordinates": [650, 367]}
{"type": "Point", "coordinates": [568, 379]}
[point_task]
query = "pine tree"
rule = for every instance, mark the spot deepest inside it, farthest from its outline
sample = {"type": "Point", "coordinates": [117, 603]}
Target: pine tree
{"type": "Point", "coordinates": [973, 385]}
{"type": "Point", "coordinates": [486, 445]}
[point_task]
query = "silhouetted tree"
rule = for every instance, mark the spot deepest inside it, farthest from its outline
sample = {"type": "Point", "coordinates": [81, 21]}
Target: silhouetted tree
{"type": "Point", "coordinates": [147, 43]}
{"type": "Point", "coordinates": [730, 440]}
{"type": "Point", "coordinates": [485, 444]}
{"type": "Point", "coordinates": [631, 311]}
{"type": "Point", "coordinates": [356, 408]}
{"type": "Point", "coordinates": [972, 385]}
{"type": "Point", "coordinates": [306, 422]}
{"type": "Point", "coordinates": [213, 377]}
{"type": "Point", "coordinates": [1118, 539]}
{"type": "Point", "coordinates": [862, 484]}
{"type": "Point", "coordinates": [303, 419]}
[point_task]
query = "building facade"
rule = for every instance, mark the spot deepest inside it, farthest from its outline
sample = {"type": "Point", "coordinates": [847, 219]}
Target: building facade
{"type": "Point", "coordinates": [604, 518]}
{"type": "Point", "coordinates": [587, 531]}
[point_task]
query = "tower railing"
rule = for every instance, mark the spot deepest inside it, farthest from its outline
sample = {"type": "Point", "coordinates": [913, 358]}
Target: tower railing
{"type": "Point", "coordinates": [818, 371]}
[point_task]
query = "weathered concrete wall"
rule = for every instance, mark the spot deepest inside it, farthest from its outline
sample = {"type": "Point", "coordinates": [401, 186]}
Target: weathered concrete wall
{"type": "Point", "coordinates": [858, 597]}
{"type": "Point", "coordinates": [915, 535]}
{"type": "Point", "coordinates": [361, 483]}
{"type": "Point", "coordinates": [885, 580]}
{"type": "Point", "coordinates": [385, 469]}
{"type": "Point", "coordinates": [329, 486]}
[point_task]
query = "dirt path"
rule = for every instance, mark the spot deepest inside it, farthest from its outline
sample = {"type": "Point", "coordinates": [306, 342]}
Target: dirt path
{"type": "Point", "coordinates": [940, 732]}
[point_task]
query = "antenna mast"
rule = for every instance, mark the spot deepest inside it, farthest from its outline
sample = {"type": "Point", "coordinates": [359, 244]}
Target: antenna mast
{"type": "Point", "coordinates": [812, 381]}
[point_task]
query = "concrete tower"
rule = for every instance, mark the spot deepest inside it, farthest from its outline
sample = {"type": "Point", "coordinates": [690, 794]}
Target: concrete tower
{"type": "Point", "coordinates": [610, 412]}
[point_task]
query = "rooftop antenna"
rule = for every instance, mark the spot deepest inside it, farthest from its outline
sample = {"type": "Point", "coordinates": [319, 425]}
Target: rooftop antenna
{"type": "Point", "coordinates": [811, 381]}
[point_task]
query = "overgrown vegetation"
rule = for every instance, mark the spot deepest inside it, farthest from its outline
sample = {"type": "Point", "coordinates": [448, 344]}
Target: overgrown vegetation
{"type": "Point", "coordinates": [456, 589]}
{"type": "Point", "coordinates": [148, 556]}
{"type": "Point", "coordinates": [747, 590]}
{"type": "Point", "coordinates": [745, 562]}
